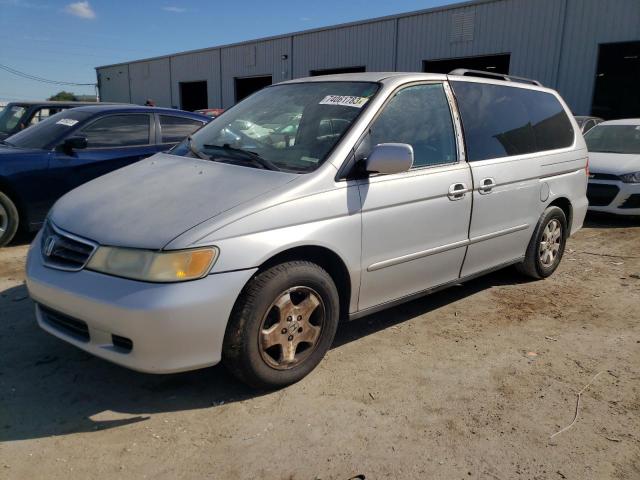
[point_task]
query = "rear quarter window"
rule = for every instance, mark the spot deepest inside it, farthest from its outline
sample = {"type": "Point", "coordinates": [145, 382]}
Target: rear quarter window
{"type": "Point", "coordinates": [502, 121]}
{"type": "Point", "coordinates": [175, 129]}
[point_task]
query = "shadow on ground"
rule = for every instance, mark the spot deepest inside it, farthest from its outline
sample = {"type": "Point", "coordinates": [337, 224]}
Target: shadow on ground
{"type": "Point", "coordinates": [607, 220]}
{"type": "Point", "coordinates": [48, 387]}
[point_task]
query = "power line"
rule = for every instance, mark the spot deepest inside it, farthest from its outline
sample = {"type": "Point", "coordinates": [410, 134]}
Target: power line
{"type": "Point", "coordinates": [40, 79]}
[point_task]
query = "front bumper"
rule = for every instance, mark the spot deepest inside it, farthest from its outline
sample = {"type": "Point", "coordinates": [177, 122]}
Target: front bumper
{"type": "Point", "coordinates": [172, 327]}
{"type": "Point", "coordinates": [614, 197]}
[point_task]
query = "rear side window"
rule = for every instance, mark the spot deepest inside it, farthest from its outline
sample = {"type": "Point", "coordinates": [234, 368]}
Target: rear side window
{"type": "Point", "coordinates": [175, 129]}
{"type": "Point", "coordinates": [501, 121]}
{"type": "Point", "coordinates": [118, 131]}
{"type": "Point", "coordinates": [420, 116]}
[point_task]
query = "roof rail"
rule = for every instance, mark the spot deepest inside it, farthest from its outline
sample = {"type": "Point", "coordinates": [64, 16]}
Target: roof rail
{"type": "Point", "coordinates": [499, 76]}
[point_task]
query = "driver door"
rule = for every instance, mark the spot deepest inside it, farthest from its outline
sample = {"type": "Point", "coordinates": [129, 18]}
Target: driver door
{"type": "Point", "coordinates": [113, 141]}
{"type": "Point", "coordinates": [415, 224]}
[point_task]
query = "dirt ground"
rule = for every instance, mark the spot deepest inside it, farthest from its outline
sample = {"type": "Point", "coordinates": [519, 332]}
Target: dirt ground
{"type": "Point", "coordinates": [467, 383]}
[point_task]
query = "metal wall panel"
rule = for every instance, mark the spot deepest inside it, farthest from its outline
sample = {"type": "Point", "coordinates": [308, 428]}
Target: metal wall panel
{"type": "Point", "coordinates": [554, 41]}
{"type": "Point", "coordinates": [529, 30]}
{"type": "Point", "coordinates": [195, 67]}
{"type": "Point", "coordinates": [151, 80]}
{"type": "Point", "coordinates": [254, 59]}
{"type": "Point", "coordinates": [371, 45]}
{"type": "Point", "coordinates": [114, 84]}
{"type": "Point", "coordinates": [590, 23]}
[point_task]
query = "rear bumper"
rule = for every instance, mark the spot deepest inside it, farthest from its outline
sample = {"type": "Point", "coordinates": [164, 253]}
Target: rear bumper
{"type": "Point", "coordinates": [579, 212]}
{"type": "Point", "coordinates": [623, 199]}
{"type": "Point", "coordinates": [171, 327]}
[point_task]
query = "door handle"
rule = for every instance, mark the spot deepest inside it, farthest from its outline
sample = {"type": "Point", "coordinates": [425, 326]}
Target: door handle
{"type": "Point", "coordinates": [457, 191]}
{"type": "Point", "coordinates": [486, 185]}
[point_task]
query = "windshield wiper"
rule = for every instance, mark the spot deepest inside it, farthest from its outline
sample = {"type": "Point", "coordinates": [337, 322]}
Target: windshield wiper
{"type": "Point", "coordinates": [4, 142]}
{"type": "Point", "coordinates": [263, 162]}
{"type": "Point", "coordinates": [195, 151]}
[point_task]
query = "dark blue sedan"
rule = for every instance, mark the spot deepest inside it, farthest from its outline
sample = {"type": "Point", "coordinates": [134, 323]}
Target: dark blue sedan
{"type": "Point", "coordinates": [41, 163]}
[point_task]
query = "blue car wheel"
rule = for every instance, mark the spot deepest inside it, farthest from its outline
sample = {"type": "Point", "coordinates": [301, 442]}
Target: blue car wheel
{"type": "Point", "coordinates": [8, 220]}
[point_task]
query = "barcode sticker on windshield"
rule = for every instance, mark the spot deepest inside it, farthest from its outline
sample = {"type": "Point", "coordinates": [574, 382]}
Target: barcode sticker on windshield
{"type": "Point", "coordinates": [69, 122]}
{"type": "Point", "coordinates": [344, 101]}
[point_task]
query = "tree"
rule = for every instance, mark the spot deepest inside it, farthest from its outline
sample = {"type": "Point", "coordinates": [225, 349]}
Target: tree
{"type": "Point", "coordinates": [64, 96]}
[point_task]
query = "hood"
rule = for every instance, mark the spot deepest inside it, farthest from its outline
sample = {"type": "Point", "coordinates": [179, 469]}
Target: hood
{"type": "Point", "coordinates": [614, 163]}
{"type": "Point", "coordinates": [149, 203]}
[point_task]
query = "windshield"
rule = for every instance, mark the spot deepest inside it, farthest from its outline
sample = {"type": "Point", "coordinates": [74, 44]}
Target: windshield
{"type": "Point", "coordinates": [614, 139]}
{"type": "Point", "coordinates": [10, 116]}
{"type": "Point", "coordinates": [290, 127]}
{"type": "Point", "coordinates": [43, 134]}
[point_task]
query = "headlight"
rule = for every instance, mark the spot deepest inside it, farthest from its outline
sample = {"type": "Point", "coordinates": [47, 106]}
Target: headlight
{"type": "Point", "coordinates": [149, 266]}
{"type": "Point", "coordinates": [631, 177]}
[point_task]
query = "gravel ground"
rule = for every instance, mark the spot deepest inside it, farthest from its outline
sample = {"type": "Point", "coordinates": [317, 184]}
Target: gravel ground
{"type": "Point", "coordinates": [470, 382]}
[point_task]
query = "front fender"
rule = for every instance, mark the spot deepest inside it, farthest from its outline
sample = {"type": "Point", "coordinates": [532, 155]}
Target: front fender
{"type": "Point", "coordinates": [331, 220]}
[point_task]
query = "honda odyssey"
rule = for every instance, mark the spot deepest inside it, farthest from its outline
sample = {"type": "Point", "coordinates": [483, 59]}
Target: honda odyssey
{"type": "Point", "coordinates": [312, 201]}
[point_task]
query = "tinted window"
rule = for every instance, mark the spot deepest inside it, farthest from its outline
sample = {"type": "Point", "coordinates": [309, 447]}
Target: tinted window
{"type": "Point", "coordinates": [49, 131]}
{"type": "Point", "coordinates": [175, 129]}
{"type": "Point", "coordinates": [118, 131]}
{"type": "Point", "coordinates": [500, 121]}
{"type": "Point", "coordinates": [419, 116]}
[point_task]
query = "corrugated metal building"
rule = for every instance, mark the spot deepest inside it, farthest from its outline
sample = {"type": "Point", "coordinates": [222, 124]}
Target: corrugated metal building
{"type": "Point", "coordinates": [587, 49]}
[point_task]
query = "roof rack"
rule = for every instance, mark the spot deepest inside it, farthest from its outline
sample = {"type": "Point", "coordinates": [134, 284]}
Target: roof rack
{"type": "Point", "coordinates": [499, 76]}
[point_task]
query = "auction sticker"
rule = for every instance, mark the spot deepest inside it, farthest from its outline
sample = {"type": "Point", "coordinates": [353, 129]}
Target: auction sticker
{"type": "Point", "coordinates": [344, 101]}
{"type": "Point", "coordinates": [69, 122]}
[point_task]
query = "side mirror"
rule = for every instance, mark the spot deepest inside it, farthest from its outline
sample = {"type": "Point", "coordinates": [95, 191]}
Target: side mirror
{"type": "Point", "coordinates": [390, 158]}
{"type": "Point", "coordinates": [74, 143]}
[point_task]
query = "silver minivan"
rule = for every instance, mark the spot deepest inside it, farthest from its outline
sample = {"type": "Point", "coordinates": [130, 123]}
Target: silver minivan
{"type": "Point", "coordinates": [312, 201]}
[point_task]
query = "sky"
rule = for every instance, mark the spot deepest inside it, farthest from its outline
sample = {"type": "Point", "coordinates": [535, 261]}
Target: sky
{"type": "Point", "coordinates": [66, 40]}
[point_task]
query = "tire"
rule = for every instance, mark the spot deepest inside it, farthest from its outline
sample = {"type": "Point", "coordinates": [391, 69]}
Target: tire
{"type": "Point", "coordinates": [290, 307]}
{"type": "Point", "coordinates": [9, 220]}
{"type": "Point", "coordinates": [543, 257]}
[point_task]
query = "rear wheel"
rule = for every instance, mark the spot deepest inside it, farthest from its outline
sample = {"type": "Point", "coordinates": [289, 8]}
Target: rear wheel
{"type": "Point", "coordinates": [547, 244]}
{"type": "Point", "coordinates": [9, 220]}
{"type": "Point", "coordinates": [282, 325]}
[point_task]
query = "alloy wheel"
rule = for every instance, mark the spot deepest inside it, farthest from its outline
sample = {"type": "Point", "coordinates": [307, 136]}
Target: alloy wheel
{"type": "Point", "coordinates": [550, 243]}
{"type": "Point", "coordinates": [291, 328]}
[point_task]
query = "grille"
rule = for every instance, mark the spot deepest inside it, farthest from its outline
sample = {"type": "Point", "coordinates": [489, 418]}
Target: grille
{"type": "Point", "coordinates": [72, 327]}
{"type": "Point", "coordinates": [603, 176]}
{"type": "Point", "coordinates": [600, 194]}
{"type": "Point", "coordinates": [64, 251]}
{"type": "Point", "coordinates": [632, 202]}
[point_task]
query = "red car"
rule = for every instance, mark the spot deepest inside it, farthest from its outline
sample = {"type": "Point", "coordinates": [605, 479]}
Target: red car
{"type": "Point", "coordinates": [211, 112]}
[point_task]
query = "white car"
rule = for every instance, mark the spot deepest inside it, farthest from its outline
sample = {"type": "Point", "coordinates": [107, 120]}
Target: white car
{"type": "Point", "coordinates": [614, 165]}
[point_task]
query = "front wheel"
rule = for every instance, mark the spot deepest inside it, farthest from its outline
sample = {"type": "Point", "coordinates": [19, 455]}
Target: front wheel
{"type": "Point", "coordinates": [547, 244]}
{"type": "Point", "coordinates": [282, 325]}
{"type": "Point", "coordinates": [8, 220]}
